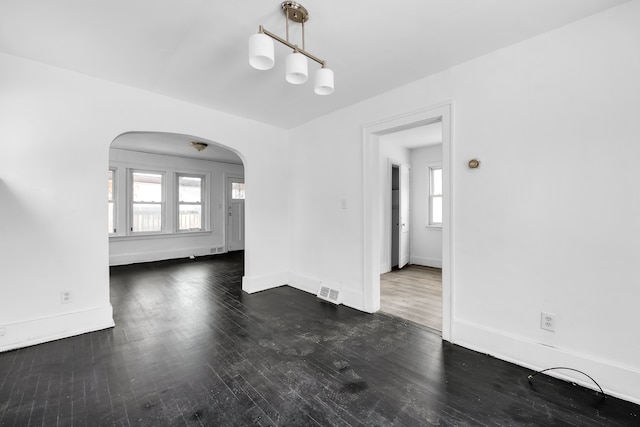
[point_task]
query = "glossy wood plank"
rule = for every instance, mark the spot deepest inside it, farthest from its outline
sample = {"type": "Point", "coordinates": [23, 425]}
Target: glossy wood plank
{"type": "Point", "coordinates": [190, 348]}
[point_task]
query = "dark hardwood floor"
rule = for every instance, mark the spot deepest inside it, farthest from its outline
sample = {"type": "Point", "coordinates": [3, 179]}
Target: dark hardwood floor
{"type": "Point", "coordinates": [189, 348]}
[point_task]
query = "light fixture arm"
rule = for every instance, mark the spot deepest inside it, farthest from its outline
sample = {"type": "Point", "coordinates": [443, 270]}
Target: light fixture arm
{"type": "Point", "coordinates": [263, 30]}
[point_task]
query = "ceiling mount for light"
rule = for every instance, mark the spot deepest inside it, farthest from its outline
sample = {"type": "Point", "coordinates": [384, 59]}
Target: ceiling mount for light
{"type": "Point", "coordinates": [261, 52]}
{"type": "Point", "coordinates": [199, 145]}
{"type": "Point", "coordinates": [295, 11]}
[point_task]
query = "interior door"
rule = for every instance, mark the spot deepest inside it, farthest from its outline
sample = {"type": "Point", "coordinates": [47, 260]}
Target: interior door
{"type": "Point", "coordinates": [405, 192]}
{"type": "Point", "coordinates": [235, 213]}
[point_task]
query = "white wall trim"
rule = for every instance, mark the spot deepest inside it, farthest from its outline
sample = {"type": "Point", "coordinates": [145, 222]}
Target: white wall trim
{"type": "Point", "coordinates": [252, 284]}
{"type": "Point", "coordinates": [384, 267]}
{"type": "Point", "coordinates": [146, 256]}
{"type": "Point", "coordinates": [371, 196]}
{"type": "Point", "coordinates": [615, 379]}
{"type": "Point", "coordinates": [37, 331]}
{"type": "Point", "coordinates": [427, 262]}
{"type": "Point", "coordinates": [312, 285]}
{"type": "Point", "coordinates": [304, 283]}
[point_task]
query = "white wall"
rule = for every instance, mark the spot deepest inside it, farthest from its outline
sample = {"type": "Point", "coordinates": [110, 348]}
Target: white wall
{"type": "Point", "coordinates": [55, 130]}
{"type": "Point", "coordinates": [126, 249]}
{"type": "Point", "coordinates": [553, 120]}
{"type": "Point", "coordinates": [426, 241]}
{"type": "Point", "coordinates": [548, 221]}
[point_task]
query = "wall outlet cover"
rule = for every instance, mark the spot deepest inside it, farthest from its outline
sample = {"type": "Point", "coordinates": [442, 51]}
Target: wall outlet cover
{"type": "Point", "coordinates": [548, 321]}
{"type": "Point", "coordinates": [65, 296]}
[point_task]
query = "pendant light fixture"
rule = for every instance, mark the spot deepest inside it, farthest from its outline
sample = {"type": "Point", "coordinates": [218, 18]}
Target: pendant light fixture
{"type": "Point", "coordinates": [261, 52]}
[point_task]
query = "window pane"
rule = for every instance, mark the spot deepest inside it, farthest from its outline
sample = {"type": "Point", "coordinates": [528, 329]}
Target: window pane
{"type": "Point", "coordinates": [237, 190]}
{"type": "Point", "coordinates": [436, 210]}
{"type": "Point", "coordinates": [147, 217]}
{"type": "Point", "coordinates": [189, 189]}
{"type": "Point", "coordinates": [110, 182]}
{"type": "Point", "coordinates": [111, 226]}
{"type": "Point", "coordinates": [147, 187]}
{"type": "Point", "coordinates": [190, 217]}
{"type": "Point", "coordinates": [436, 176]}
{"type": "Point", "coordinates": [110, 223]}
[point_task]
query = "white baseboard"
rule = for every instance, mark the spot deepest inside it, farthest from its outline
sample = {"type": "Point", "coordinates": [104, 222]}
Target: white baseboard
{"type": "Point", "coordinates": [616, 380]}
{"type": "Point", "coordinates": [353, 299]}
{"type": "Point", "coordinates": [37, 331]}
{"type": "Point", "coordinates": [252, 284]}
{"type": "Point", "coordinates": [311, 285]}
{"type": "Point", "coordinates": [427, 262]}
{"type": "Point", "coordinates": [304, 283]}
{"type": "Point", "coordinates": [132, 258]}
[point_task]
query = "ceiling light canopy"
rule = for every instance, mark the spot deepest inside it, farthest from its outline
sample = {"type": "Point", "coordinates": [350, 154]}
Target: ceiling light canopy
{"type": "Point", "coordinates": [199, 145]}
{"type": "Point", "coordinates": [261, 52]}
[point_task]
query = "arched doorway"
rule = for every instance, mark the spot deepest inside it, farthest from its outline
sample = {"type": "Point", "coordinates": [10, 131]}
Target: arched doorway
{"type": "Point", "coordinates": [168, 196]}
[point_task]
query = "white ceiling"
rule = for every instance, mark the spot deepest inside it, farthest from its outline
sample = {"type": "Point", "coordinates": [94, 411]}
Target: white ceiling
{"type": "Point", "coordinates": [196, 50]}
{"type": "Point", "coordinates": [416, 137]}
{"type": "Point", "coordinates": [173, 144]}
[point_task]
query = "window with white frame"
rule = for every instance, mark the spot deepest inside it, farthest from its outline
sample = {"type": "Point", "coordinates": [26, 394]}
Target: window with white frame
{"type": "Point", "coordinates": [237, 190]}
{"type": "Point", "coordinates": [190, 202]}
{"type": "Point", "coordinates": [147, 201]}
{"type": "Point", "coordinates": [112, 203]}
{"type": "Point", "coordinates": [435, 196]}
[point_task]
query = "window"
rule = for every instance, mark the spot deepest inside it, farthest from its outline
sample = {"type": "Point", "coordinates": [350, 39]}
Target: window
{"type": "Point", "coordinates": [112, 203]}
{"type": "Point", "coordinates": [146, 201]}
{"type": "Point", "coordinates": [237, 190]}
{"type": "Point", "coordinates": [190, 197]}
{"type": "Point", "coordinates": [157, 202]}
{"type": "Point", "coordinates": [435, 196]}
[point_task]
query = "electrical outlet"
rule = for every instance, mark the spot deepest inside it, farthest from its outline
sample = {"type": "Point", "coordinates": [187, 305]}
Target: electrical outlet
{"type": "Point", "coordinates": [3, 331]}
{"type": "Point", "coordinates": [65, 296]}
{"type": "Point", "coordinates": [548, 321]}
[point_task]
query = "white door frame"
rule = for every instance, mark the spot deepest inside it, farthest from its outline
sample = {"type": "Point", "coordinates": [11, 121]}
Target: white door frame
{"type": "Point", "coordinates": [404, 244]}
{"type": "Point", "coordinates": [371, 212]}
{"type": "Point", "coordinates": [227, 206]}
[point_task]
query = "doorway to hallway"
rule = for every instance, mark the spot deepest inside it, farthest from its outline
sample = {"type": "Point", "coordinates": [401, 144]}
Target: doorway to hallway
{"type": "Point", "coordinates": [377, 238]}
{"type": "Point", "coordinates": [413, 293]}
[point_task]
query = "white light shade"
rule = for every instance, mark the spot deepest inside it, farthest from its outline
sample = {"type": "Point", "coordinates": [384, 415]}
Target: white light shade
{"type": "Point", "coordinates": [297, 71]}
{"type": "Point", "coordinates": [261, 56]}
{"type": "Point", "coordinates": [324, 81]}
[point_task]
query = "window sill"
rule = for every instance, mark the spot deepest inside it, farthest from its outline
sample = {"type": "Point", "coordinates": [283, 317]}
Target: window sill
{"type": "Point", "coordinates": [434, 227]}
{"type": "Point", "coordinates": [152, 236]}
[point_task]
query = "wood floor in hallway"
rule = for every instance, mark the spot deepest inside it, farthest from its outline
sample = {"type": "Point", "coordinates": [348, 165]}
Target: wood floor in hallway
{"type": "Point", "coordinates": [413, 293]}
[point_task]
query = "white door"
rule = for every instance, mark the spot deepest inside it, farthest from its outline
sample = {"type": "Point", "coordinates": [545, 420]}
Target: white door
{"type": "Point", "coordinates": [235, 214]}
{"type": "Point", "coordinates": [405, 191]}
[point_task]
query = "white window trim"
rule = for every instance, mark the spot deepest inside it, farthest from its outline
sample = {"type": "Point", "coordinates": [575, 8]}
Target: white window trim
{"type": "Point", "coordinates": [430, 168]}
{"type": "Point", "coordinates": [130, 201]}
{"type": "Point", "coordinates": [202, 204]}
{"type": "Point", "coordinates": [114, 200]}
{"type": "Point", "coordinates": [124, 205]}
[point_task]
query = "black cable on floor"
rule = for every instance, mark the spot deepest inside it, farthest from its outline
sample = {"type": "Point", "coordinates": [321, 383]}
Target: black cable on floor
{"type": "Point", "coordinates": [530, 377]}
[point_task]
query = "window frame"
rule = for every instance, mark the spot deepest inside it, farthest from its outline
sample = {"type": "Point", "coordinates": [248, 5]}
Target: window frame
{"type": "Point", "coordinates": [430, 169]}
{"type": "Point", "coordinates": [114, 200]}
{"type": "Point", "coordinates": [202, 203]}
{"type": "Point", "coordinates": [162, 203]}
